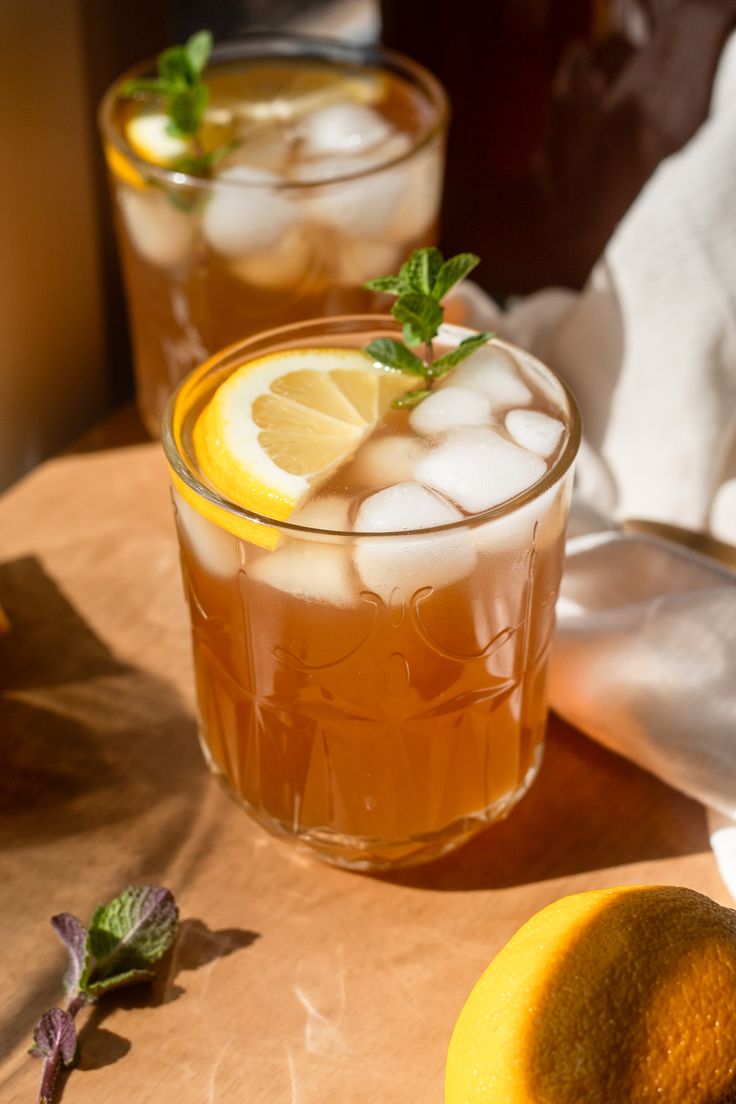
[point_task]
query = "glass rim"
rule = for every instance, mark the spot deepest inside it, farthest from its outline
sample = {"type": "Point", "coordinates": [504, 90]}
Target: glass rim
{"type": "Point", "coordinates": [348, 324]}
{"type": "Point", "coordinates": [251, 44]}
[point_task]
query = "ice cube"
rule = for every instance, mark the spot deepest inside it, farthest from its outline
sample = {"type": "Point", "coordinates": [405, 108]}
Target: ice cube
{"type": "Point", "coordinates": [245, 213]}
{"type": "Point", "coordinates": [422, 190]}
{"type": "Point", "coordinates": [268, 150]}
{"type": "Point", "coordinates": [364, 205]}
{"type": "Point", "coordinates": [534, 430]}
{"type": "Point", "coordinates": [477, 468]}
{"type": "Point", "coordinates": [323, 512]}
{"type": "Point", "coordinates": [283, 265]}
{"type": "Point", "coordinates": [382, 461]}
{"type": "Point", "coordinates": [215, 549]}
{"type": "Point", "coordinates": [317, 570]}
{"type": "Point", "coordinates": [159, 231]}
{"type": "Point", "coordinates": [493, 371]}
{"type": "Point", "coordinates": [450, 407]}
{"type": "Point", "coordinates": [359, 259]}
{"type": "Point", "coordinates": [540, 521]}
{"type": "Point", "coordinates": [342, 128]}
{"type": "Point", "coordinates": [396, 567]}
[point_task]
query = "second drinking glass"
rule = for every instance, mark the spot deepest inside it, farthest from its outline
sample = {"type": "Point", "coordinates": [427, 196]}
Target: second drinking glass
{"type": "Point", "coordinates": [330, 174]}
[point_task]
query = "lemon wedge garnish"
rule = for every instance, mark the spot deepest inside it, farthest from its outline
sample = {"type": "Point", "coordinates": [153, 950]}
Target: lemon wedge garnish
{"type": "Point", "coordinates": [147, 135]}
{"type": "Point", "coordinates": [279, 425]}
{"type": "Point", "coordinates": [122, 168]}
{"type": "Point", "coordinates": [148, 138]}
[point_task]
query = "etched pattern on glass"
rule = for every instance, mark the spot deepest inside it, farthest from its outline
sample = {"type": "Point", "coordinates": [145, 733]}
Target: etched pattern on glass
{"type": "Point", "coordinates": [319, 717]}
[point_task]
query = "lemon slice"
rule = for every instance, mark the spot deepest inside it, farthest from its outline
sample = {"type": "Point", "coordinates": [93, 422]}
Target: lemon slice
{"type": "Point", "coordinates": [122, 168]}
{"type": "Point", "coordinates": [280, 424]}
{"type": "Point", "coordinates": [148, 137]}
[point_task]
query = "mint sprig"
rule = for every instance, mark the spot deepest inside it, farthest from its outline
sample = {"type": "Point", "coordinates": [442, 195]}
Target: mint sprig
{"type": "Point", "coordinates": [126, 937]}
{"type": "Point", "coordinates": [422, 282]}
{"type": "Point", "coordinates": [184, 95]}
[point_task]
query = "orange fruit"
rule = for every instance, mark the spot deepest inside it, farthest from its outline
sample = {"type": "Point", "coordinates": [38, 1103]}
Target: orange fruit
{"type": "Point", "coordinates": [616, 996]}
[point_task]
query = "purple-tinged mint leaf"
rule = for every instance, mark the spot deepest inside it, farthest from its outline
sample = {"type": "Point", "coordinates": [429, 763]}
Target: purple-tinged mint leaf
{"type": "Point", "coordinates": [133, 931]}
{"type": "Point", "coordinates": [75, 938]}
{"type": "Point", "coordinates": [55, 1033]}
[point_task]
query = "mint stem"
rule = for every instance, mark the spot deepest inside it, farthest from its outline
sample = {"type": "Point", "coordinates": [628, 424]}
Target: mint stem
{"type": "Point", "coordinates": [50, 1073]}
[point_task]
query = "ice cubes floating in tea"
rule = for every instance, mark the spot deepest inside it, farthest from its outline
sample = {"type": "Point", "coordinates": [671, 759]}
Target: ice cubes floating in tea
{"type": "Point", "coordinates": [259, 197]}
{"type": "Point", "coordinates": [466, 448]}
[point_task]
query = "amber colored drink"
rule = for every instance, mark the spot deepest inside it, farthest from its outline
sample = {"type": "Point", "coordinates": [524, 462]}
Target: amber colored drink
{"type": "Point", "coordinates": [378, 695]}
{"type": "Point", "coordinates": [334, 176]}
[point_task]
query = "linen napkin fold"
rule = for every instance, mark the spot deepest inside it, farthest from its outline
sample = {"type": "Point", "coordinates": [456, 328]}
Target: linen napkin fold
{"type": "Point", "coordinates": [645, 653]}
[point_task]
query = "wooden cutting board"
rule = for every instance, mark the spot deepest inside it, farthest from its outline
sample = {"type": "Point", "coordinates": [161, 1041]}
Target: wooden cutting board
{"type": "Point", "coordinates": [292, 982]}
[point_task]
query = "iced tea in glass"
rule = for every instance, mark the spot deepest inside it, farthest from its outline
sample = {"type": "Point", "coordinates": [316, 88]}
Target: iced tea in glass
{"type": "Point", "coordinates": [333, 176]}
{"type": "Point", "coordinates": [371, 669]}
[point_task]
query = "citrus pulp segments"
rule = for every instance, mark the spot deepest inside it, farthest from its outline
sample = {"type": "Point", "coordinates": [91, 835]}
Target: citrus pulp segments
{"type": "Point", "coordinates": [278, 426]}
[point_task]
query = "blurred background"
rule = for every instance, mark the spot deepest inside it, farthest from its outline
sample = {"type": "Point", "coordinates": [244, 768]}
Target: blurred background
{"type": "Point", "coordinates": [561, 111]}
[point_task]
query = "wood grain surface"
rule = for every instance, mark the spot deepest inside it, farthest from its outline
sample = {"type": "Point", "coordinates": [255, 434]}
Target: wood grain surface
{"type": "Point", "coordinates": [292, 982]}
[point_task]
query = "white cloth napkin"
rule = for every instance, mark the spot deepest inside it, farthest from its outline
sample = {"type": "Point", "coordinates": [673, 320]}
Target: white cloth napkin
{"type": "Point", "coordinates": [645, 654]}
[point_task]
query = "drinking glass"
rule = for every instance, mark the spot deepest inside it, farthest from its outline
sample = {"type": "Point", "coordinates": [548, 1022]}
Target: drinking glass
{"type": "Point", "coordinates": [379, 697]}
{"type": "Point", "coordinates": [287, 227]}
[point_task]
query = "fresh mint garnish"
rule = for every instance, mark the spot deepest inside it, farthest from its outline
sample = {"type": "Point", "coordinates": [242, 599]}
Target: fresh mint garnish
{"type": "Point", "coordinates": [184, 95]}
{"type": "Point", "coordinates": [75, 938]}
{"type": "Point", "coordinates": [421, 284]}
{"type": "Point", "coordinates": [125, 939]}
{"type": "Point", "coordinates": [132, 932]}
{"type": "Point", "coordinates": [388, 351]}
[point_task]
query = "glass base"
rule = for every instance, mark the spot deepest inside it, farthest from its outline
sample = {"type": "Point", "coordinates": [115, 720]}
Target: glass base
{"type": "Point", "coordinates": [368, 854]}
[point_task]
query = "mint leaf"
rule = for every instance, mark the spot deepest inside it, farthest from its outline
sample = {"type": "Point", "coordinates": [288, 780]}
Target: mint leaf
{"type": "Point", "coordinates": [116, 981]}
{"type": "Point", "coordinates": [55, 1040]}
{"type": "Point", "coordinates": [452, 272]}
{"type": "Point", "coordinates": [420, 272]}
{"type": "Point", "coordinates": [186, 110]}
{"type": "Point", "coordinates": [393, 285]}
{"type": "Point", "coordinates": [444, 363]}
{"type": "Point", "coordinates": [421, 315]}
{"type": "Point", "coordinates": [198, 49]}
{"type": "Point", "coordinates": [395, 355]}
{"type": "Point", "coordinates": [55, 1033]}
{"type": "Point", "coordinates": [174, 66]}
{"type": "Point", "coordinates": [154, 86]}
{"type": "Point", "coordinates": [133, 931]}
{"type": "Point", "coordinates": [75, 938]}
{"type": "Point", "coordinates": [410, 399]}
